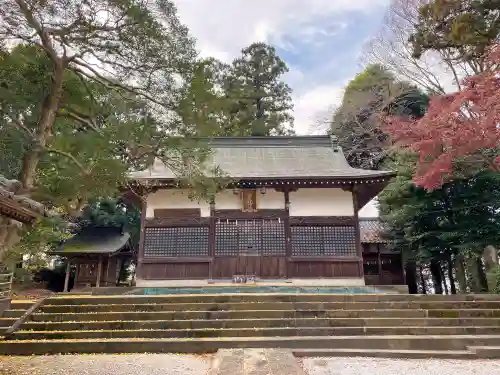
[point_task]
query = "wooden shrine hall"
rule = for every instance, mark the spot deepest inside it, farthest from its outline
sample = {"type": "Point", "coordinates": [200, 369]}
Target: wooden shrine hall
{"type": "Point", "coordinates": [289, 212]}
{"type": "Point", "coordinates": [98, 255]}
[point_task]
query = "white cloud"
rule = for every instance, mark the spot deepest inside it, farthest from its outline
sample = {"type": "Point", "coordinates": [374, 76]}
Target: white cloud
{"type": "Point", "coordinates": [229, 25]}
{"type": "Point", "coordinates": [223, 27]}
{"type": "Point", "coordinates": [314, 106]}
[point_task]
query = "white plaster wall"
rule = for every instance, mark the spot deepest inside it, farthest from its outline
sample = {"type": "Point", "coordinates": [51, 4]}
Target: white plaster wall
{"type": "Point", "coordinates": [273, 199]}
{"type": "Point", "coordinates": [174, 198]}
{"type": "Point", "coordinates": [321, 202]}
{"type": "Point", "coordinates": [227, 200]}
{"type": "Point", "coordinates": [304, 202]}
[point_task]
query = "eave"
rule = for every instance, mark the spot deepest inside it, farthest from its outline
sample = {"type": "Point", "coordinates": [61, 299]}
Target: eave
{"type": "Point", "coordinates": [17, 211]}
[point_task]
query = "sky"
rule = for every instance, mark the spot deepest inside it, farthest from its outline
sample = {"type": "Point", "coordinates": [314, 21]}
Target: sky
{"type": "Point", "coordinates": [320, 40]}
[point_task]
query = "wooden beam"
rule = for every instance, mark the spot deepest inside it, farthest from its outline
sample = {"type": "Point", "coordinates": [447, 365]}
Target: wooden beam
{"type": "Point", "coordinates": [66, 277]}
{"type": "Point", "coordinates": [77, 273]}
{"type": "Point", "coordinates": [288, 231]}
{"type": "Point", "coordinates": [211, 239]}
{"type": "Point", "coordinates": [359, 249]}
{"type": "Point", "coordinates": [140, 255]}
{"type": "Point", "coordinates": [119, 265]}
{"type": "Point", "coordinates": [379, 264]}
{"type": "Point", "coordinates": [99, 271]}
{"type": "Point", "coordinates": [106, 281]}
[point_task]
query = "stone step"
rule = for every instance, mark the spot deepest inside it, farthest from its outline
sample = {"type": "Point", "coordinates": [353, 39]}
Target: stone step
{"type": "Point", "coordinates": [245, 314]}
{"type": "Point", "coordinates": [256, 361]}
{"type": "Point", "coordinates": [21, 304]}
{"type": "Point", "coordinates": [485, 351]}
{"type": "Point", "coordinates": [258, 323]}
{"type": "Point", "coordinates": [257, 297]}
{"type": "Point", "coordinates": [7, 322]}
{"type": "Point", "coordinates": [210, 345]}
{"type": "Point", "coordinates": [252, 332]}
{"type": "Point", "coordinates": [445, 305]}
{"type": "Point", "coordinates": [387, 353]}
{"type": "Point", "coordinates": [269, 314]}
{"type": "Point", "coordinates": [13, 313]}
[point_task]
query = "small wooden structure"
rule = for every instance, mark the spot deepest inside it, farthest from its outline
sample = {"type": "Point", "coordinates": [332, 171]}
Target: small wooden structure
{"type": "Point", "coordinates": [98, 253]}
{"type": "Point", "coordinates": [15, 210]}
{"type": "Point", "coordinates": [381, 265]}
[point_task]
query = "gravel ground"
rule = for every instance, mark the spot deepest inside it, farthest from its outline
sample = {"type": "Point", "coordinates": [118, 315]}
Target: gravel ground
{"type": "Point", "coordinates": [377, 366]}
{"type": "Point", "coordinates": [140, 364]}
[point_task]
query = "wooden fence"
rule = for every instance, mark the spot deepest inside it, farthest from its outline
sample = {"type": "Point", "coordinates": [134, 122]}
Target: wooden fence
{"type": "Point", "coordinates": [5, 285]}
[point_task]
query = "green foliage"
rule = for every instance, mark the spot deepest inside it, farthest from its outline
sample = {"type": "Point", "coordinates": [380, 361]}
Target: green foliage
{"type": "Point", "coordinates": [460, 218]}
{"type": "Point", "coordinates": [462, 28]}
{"type": "Point", "coordinates": [369, 97]}
{"type": "Point", "coordinates": [112, 212]}
{"type": "Point", "coordinates": [35, 240]}
{"type": "Point", "coordinates": [494, 280]}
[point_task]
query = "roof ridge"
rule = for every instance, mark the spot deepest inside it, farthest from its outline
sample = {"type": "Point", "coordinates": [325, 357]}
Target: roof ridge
{"type": "Point", "coordinates": [273, 141]}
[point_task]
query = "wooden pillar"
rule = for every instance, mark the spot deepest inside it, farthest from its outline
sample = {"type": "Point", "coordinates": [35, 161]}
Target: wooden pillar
{"type": "Point", "coordinates": [379, 265]}
{"type": "Point", "coordinates": [77, 272]}
{"type": "Point", "coordinates": [99, 272]}
{"type": "Point", "coordinates": [66, 277]}
{"type": "Point", "coordinates": [119, 265]}
{"type": "Point", "coordinates": [288, 233]}
{"type": "Point", "coordinates": [359, 250]}
{"type": "Point", "coordinates": [106, 281]}
{"type": "Point", "coordinates": [211, 240]}
{"type": "Point", "coordinates": [140, 255]}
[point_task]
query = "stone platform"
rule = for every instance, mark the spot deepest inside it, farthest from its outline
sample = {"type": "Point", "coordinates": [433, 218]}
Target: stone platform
{"type": "Point", "coordinates": [255, 362]}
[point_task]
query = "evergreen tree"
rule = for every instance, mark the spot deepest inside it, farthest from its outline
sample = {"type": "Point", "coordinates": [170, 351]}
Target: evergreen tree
{"type": "Point", "coordinates": [259, 102]}
{"type": "Point", "coordinates": [444, 226]}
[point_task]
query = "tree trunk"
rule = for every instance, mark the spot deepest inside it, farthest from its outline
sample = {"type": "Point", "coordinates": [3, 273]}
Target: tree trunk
{"type": "Point", "coordinates": [483, 280]}
{"type": "Point", "coordinates": [445, 284]}
{"type": "Point", "coordinates": [411, 277]}
{"type": "Point", "coordinates": [9, 236]}
{"type": "Point", "coordinates": [478, 282]}
{"type": "Point", "coordinates": [450, 275]}
{"type": "Point", "coordinates": [44, 129]}
{"type": "Point", "coordinates": [436, 273]}
{"type": "Point", "coordinates": [460, 269]}
{"type": "Point", "coordinates": [490, 257]}
{"type": "Point", "coordinates": [422, 281]}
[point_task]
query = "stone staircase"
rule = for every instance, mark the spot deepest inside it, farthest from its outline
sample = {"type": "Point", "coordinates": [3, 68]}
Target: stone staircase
{"type": "Point", "coordinates": [10, 316]}
{"type": "Point", "coordinates": [308, 324]}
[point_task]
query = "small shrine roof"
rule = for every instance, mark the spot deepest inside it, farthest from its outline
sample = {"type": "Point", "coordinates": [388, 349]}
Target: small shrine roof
{"type": "Point", "coordinates": [371, 230]}
{"type": "Point", "coordinates": [95, 240]}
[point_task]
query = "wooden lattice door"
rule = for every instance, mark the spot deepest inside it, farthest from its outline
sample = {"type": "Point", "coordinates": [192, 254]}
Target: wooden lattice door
{"type": "Point", "coordinates": [241, 245]}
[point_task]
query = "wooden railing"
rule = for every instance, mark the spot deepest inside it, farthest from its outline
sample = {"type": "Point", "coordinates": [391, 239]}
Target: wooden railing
{"type": "Point", "coordinates": [5, 285]}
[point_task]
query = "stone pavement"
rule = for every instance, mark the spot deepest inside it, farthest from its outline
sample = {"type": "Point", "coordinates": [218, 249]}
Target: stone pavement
{"type": "Point", "coordinates": [255, 362]}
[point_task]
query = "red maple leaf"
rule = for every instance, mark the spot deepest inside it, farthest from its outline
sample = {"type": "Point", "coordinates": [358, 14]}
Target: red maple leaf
{"type": "Point", "coordinates": [459, 129]}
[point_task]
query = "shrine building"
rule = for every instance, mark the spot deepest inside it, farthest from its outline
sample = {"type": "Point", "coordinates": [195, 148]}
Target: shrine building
{"type": "Point", "coordinates": [289, 213]}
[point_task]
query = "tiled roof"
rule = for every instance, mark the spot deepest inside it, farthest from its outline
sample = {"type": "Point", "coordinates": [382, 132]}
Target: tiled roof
{"type": "Point", "coordinates": [9, 197]}
{"type": "Point", "coordinates": [371, 230]}
{"type": "Point", "coordinates": [273, 157]}
{"type": "Point", "coordinates": [101, 240]}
